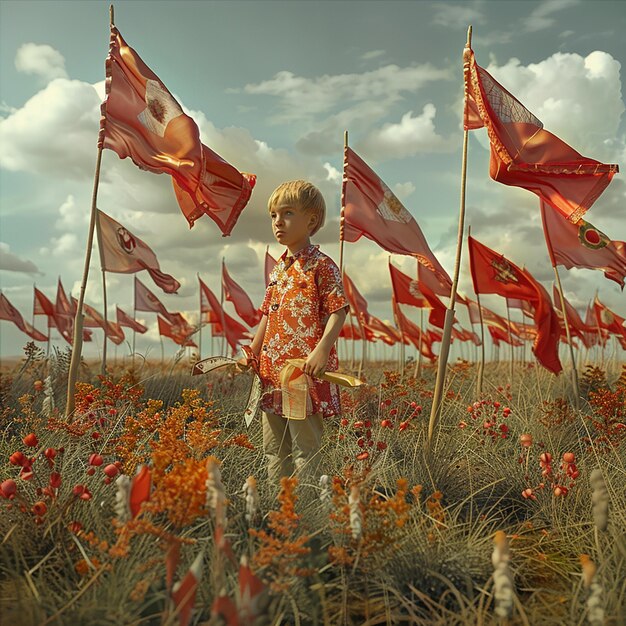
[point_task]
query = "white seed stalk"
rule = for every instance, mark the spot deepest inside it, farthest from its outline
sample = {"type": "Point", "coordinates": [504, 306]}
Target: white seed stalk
{"type": "Point", "coordinates": [251, 496]}
{"type": "Point", "coordinates": [122, 495]}
{"type": "Point", "coordinates": [599, 499]}
{"type": "Point", "coordinates": [356, 518]}
{"type": "Point", "coordinates": [325, 492]}
{"type": "Point", "coordinates": [215, 496]}
{"type": "Point", "coordinates": [48, 402]}
{"type": "Point", "coordinates": [502, 578]}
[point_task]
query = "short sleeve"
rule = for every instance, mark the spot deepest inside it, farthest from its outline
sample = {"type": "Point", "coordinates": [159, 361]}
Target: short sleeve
{"type": "Point", "coordinates": [330, 288]}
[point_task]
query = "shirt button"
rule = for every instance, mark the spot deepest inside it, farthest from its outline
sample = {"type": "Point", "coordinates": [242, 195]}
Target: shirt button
{"type": "Point", "coordinates": [264, 348]}
{"type": "Point", "coordinates": [274, 307]}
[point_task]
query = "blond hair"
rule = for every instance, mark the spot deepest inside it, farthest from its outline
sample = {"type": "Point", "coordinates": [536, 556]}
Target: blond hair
{"type": "Point", "coordinates": [302, 195]}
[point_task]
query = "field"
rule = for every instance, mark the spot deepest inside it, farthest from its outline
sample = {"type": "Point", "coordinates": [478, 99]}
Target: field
{"type": "Point", "coordinates": [516, 514]}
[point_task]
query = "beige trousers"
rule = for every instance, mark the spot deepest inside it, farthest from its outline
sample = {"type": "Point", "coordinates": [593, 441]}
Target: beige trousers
{"type": "Point", "coordinates": [292, 446]}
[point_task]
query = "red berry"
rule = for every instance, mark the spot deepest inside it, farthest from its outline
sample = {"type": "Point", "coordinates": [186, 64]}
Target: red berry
{"type": "Point", "coordinates": [55, 480]}
{"type": "Point", "coordinates": [362, 456]}
{"type": "Point", "coordinates": [17, 458]}
{"type": "Point", "coordinates": [39, 508]}
{"type": "Point", "coordinates": [95, 459]}
{"type": "Point", "coordinates": [95, 435]}
{"type": "Point", "coordinates": [111, 470]}
{"type": "Point", "coordinates": [387, 424]}
{"type": "Point", "coordinates": [344, 422]}
{"type": "Point", "coordinates": [569, 457]}
{"type": "Point", "coordinates": [381, 445]}
{"type": "Point", "coordinates": [31, 440]}
{"type": "Point", "coordinates": [38, 385]}
{"type": "Point", "coordinates": [8, 488]}
{"type": "Point", "coordinates": [50, 453]}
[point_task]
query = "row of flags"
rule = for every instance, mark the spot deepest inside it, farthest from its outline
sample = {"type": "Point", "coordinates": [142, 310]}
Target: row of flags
{"type": "Point", "coordinates": [140, 119]}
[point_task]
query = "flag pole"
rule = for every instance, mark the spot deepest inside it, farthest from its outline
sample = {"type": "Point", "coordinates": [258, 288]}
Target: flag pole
{"type": "Point", "coordinates": [481, 365]}
{"type": "Point", "coordinates": [103, 365]}
{"type": "Point", "coordinates": [78, 319]}
{"type": "Point", "coordinates": [222, 351]}
{"type": "Point", "coordinates": [342, 212]}
{"type": "Point", "coordinates": [199, 319]}
{"type": "Point", "coordinates": [435, 411]}
{"type": "Point", "coordinates": [569, 339]}
{"type": "Point", "coordinates": [418, 365]}
{"type": "Point", "coordinates": [508, 318]}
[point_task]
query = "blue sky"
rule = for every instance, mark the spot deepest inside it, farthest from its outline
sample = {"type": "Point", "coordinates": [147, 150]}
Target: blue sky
{"type": "Point", "coordinates": [272, 86]}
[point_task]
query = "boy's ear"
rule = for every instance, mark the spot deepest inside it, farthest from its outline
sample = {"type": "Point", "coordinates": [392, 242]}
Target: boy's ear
{"type": "Point", "coordinates": [312, 221]}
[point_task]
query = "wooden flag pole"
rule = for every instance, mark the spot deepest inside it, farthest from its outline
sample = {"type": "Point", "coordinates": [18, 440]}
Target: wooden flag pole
{"type": "Point", "coordinates": [449, 319]}
{"type": "Point", "coordinates": [569, 339]}
{"type": "Point", "coordinates": [418, 366]}
{"type": "Point", "coordinates": [508, 318]}
{"type": "Point", "coordinates": [135, 318]}
{"type": "Point", "coordinates": [78, 320]}
{"type": "Point", "coordinates": [199, 319]}
{"type": "Point", "coordinates": [103, 365]}
{"type": "Point", "coordinates": [223, 350]}
{"type": "Point", "coordinates": [481, 365]}
{"type": "Point", "coordinates": [342, 212]}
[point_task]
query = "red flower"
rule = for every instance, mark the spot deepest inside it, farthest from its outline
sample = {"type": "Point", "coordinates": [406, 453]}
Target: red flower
{"type": "Point", "coordinates": [95, 459]}
{"type": "Point", "coordinates": [55, 480]}
{"type": "Point", "coordinates": [39, 508]}
{"type": "Point", "coordinates": [17, 458]}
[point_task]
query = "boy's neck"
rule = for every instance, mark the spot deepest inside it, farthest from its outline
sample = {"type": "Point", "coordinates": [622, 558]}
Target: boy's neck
{"type": "Point", "coordinates": [296, 247]}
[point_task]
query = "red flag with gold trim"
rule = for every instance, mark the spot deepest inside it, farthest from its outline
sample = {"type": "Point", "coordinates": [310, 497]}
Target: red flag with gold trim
{"type": "Point", "coordinates": [524, 154]}
{"type": "Point", "coordinates": [141, 119]}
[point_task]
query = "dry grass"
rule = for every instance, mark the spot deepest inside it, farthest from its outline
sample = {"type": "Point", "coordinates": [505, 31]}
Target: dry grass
{"type": "Point", "coordinates": [428, 520]}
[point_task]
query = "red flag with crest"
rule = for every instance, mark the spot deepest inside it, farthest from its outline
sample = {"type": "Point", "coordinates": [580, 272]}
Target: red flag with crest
{"type": "Point", "coordinates": [124, 253]}
{"type": "Point", "coordinates": [141, 119]}
{"type": "Point", "coordinates": [372, 209]}
{"type": "Point", "coordinates": [493, 273]}
{"type": "Point", "coordinates": [524, 154]}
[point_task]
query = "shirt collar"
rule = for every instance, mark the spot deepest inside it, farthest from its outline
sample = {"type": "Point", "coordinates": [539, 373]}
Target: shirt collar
{"type": "Point", "coordinates": [303, 252]}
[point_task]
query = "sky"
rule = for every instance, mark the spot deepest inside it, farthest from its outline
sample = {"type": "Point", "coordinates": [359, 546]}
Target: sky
{"type": "Point", "coordinates": [272, 86]}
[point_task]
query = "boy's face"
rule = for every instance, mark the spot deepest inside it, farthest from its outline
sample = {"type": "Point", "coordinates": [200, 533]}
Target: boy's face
{"type": "Point", "coordinates": [291, 226]}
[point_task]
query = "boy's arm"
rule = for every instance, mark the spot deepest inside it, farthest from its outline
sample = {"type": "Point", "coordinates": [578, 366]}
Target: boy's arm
{"type": "Point", "coordinates": [317, 360]}
{"type": "Point", "coordinates": [255, 344]}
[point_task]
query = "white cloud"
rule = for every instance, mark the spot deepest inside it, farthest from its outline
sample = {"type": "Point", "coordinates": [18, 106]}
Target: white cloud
{"type": "Point", "coordinates": [542, 17]}
{"type": "Point", "coordinates": [54, 133]}
{"type": "Point", "coordinates": [300, 98]}
{"type": "Point", "coordinates": [403, 190]}
{"type": "Point", "coordinates": [457, 16]}
{"type": "Point", "coordinates": [13, 263]}
{"type": "Point", "coordinates": [372, 54]}
{"type": "Point", "coordinates": [334, 174]}
{"type": "Point", "coordinates": [41, 60]}
{"type": "Point", "coordinates": [577, 98]}
{"type": "Point", "coordinates": [406, 138]}
{"type": "Point", "coordinates": [65, 245]}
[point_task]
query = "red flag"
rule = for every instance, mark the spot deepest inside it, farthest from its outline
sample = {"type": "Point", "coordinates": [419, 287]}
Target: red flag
{"type": "Point", "coordinates": [42, 305]}
{"type": "Point", "coordinates": [372, 209]}
{"type": "Point", "coordinates": [270, 263]}
{"type": "Point", "coordinates": [524, 154]}
{"type": "Point", "coordinates": [387, 334]}
{"type": "Point", "coordinates": [350, 331]}
{"type": "Point", "coordinates": [412, 332]}
{"type": "Point", "coordinates": [94, 319]}
{"type": "Point", "coordinates": [576, 325]}
{"type": "Point", "coordinates": [124, 253]}
{"type": "Point", "coordinates": [583, 245]}
{"type": "Point", "coordinates": [234, 293]}
{"type": "Point", "coordinates": [222, 322]}
{"type": "Point", "coordinates": [523, 305]}
{"type": "Point", "coordinates": [11, 314]}
{"type": "Point", "coordinates": [123, 319]}
{"type": "Point", "coordinates": [178, 330]}
{"type": "Point", "coordinates": [438, 309]}
{"type": "Point", "coordinates": [145, 300]}
{"type": "Point", "coordinates": [497, 335]}
{"type": "Point", "coordinates": [493, 273]}
{"type": "Point", "coordinates": [358, 304]}
{"type": "Point", "coordinates": [64, 318]}
{"type": "Point", "coordinates": [405, 289]}
{"type": "Point", "coordinates": [607, 319]}
{"type": "Point", "coordinates": [141, 119]}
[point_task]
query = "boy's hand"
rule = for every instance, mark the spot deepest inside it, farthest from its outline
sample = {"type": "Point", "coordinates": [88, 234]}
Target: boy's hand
{"type": "Point", "coordinates": [316, 362]}
{"type": "Point", "coordinates": [242, 364]}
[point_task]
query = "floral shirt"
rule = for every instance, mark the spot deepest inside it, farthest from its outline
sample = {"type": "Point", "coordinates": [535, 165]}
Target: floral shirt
{"type": "Point", "coordinates": [303, 291]}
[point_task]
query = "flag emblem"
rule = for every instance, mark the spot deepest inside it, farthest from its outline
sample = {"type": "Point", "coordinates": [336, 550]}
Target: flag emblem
{"type": "Point", "coordinates": [161, 108]}
{"type": "Point", "coordinates": [414, 289]}
{"type": "Point", "coordinates": [504, 272]}
{"type": "Point", "coordinates": [126, 240]}
{"type": "Point", "coordinates": [591, 237]}
{"type": "Point", "coordinates": [391, 208]}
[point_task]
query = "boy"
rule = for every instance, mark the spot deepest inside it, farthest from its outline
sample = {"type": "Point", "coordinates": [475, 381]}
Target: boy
{"type": "Point", "coordinates": [303, 312]}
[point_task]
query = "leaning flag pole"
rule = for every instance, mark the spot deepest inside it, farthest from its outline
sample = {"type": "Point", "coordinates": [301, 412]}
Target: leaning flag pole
{"type": "Point", "coordinates": [103, 367]}
{"type": "Point", "coordinates": [508, 319]}
{"type": "Point", "coordinates": [569, 340]}
{"type": "Point", "coordinates": [449, 319]}
{"type": "Point", "coordinates": [78, 320]}
{"type": "Point", "coordinates": [223, 342]}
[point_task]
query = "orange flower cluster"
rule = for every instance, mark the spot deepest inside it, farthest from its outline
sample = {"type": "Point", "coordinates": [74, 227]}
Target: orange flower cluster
{"type": "Point", "coordinates": [280, 550]}
{"type": "Point", "coordinates": [556, 413]}
{"type": "Point", "coordinates": [609, 421]}
{"type": "Point", "coordinates": [384, 522]}
{"type": "Point", "coordinates": [437, 514]}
